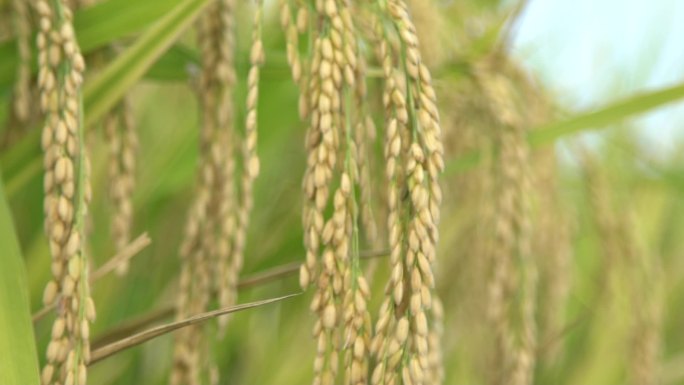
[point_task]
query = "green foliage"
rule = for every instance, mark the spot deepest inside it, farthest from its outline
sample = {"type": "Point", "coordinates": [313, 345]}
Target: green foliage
{"type": "Point", "coordinates": [103, 92]}
{"type": "Point", "coordinates": [18, 358]}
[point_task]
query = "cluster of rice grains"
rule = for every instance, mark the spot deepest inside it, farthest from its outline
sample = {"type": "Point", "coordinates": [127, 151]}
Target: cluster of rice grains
{"type": "Point", "coordinates": [17, 23]}
{"type": "Point", "coordinates": [405, 347]}
{"type": "Point", "coordinates": [122, 138]}
{"type": "Point", "coordinates": [629, 267]}
{"type": "Point", "coordinates": [513, 279]}
{"type": "Point", "coordinates": [67, 193]}
{"type": "Point", "coordinates": [22, 88]}
{"type": "Point", "coordinates": [217, 222]}
{"type": "Point", "coordinates": [342, 293]}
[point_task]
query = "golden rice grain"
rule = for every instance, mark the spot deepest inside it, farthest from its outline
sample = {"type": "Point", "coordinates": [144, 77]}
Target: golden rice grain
{"type": "Point", "coordinates": [342, 329]}
{"type": "Point", "coordinates": [294, 22]}
{"type": "Point", "coordinates": [121, 134]}
{"type": "Point", "coordinates": [22, 87]}
{"type": "Point", "coordinates": [512, 285]}
{"type": "Point", "coordinates": [414, 159]}
{"type": "Point", "coordinates": [67, 194]}
{"type": "Point", "coordinates": [208, 265]}
{"type": "Point", "coordinates": [250, 159]}
{"type": "Point", "coordinates": [625, 255]}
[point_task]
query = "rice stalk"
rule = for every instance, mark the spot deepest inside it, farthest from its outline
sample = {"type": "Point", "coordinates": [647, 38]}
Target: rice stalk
{"type": "Point", "coordinates": [22, 86]}
{"type": "Point", "coordinates": [414, 159]}
{"type": "Point", "coordinates": [122, 139]}
{"type": "Point", "coordinates": [626, 257]}
{"type": "Point", "coordinates": [294, 20]}
{"type": "Point", "coordinates": [358, 326]}
{"type": "Point", "coordinates": [67, 194]}
{"type": "Point", "coordinates": [646, 293]}
{"type": "Point", "coordinates": [364, 137]}
{"type": "Point", "coordinates": [552, 230]}
{"type": "Point", "coordinates": [343, 324]}
{"type": "Point", "coordinates": [513, 279]}
{"type": "Point", "coordinates": [22, 114]}
{"type": "Point", "coordinates": [250, 161]}
{"type": "Point", "coordinates": [553, 250]}
{"type": "Point", "coordinates": [208, 242]}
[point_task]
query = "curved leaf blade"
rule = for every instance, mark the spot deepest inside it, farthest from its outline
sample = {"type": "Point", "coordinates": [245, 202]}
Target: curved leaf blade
{"type": "Point", "coordinates": [103, 92]}
{"type": "Point", "coordinates": [97, 26]}
{"type": "Point", "coordinates": [611, 114]}
{"type": "Point", "coordinates": [155, 332]}
{"type": "Point", "coordinates": [18, 358]}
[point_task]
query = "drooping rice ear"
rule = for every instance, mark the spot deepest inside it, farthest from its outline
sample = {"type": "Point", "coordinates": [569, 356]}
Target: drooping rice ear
{"type": "Point", "coordinates": [22, 86]}
{"type": "Point", "coordinates": [122, 138]}
{"type": "Point", "coordinates": [513, 276]}
{"type": "Point", "coordinates": [250, 160]}
{"type": "Point", "coordinates": [414, 160]}
{"type": "Point", "coordinates": [207, 268]}
{"type": "Point", "coordinates": [67, 194]}
{"type": "Point", "coordinates": [628, 262]}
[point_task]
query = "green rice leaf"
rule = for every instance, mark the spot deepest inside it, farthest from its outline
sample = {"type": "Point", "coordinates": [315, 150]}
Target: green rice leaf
{"type": "Point", "coordinates": [18, 358]}
{"type": "Point", "coordinates": [104, 91]}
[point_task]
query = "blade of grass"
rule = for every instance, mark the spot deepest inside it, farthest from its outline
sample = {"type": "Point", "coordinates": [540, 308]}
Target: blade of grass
{"type": "Point", "coordinates": [131, 326]}
{"type": "Point", "coordinates": [97, 26]}
{"type": "Point", "coordinates": [107, 21]}
{"type": "Point", "coordinates": [255, 279]}
{"type": "Point", "coordinates": [18, 358]}
{"type": "Point", "coordinates": [611, 114]}
{"type": "Point", "coordinates": [113, 82]}
{"type": "Point", "coordinates": [600, 118]}
{"type": "Point", "coordinates": [147, 335]}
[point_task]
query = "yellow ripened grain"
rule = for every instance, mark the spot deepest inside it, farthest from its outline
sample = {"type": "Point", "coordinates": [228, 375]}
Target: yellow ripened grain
{"type": "Point", "coordinates": [22, 87]}
{"type": "Point", "coordinates": [512, 284]}
{"type": "Point", "coordinates": [67, 194]}
{"type": "Point", "coordinates": [208, 263]}
{"type": "Point", "coordinates": [122, 138]}
{"type": "Point", "coordinates": [342, 329]}
{"type": "Point", "coordinates": [414, 159]}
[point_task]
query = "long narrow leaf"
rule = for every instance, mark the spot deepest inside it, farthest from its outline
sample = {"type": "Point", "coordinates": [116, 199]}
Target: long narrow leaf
{"type": "Point", "coordinates": [107, 21]}
{"type": "Point", "coordinates": [103, 92]}
{"type": "Point", "coordinates": [96, 27]}
{"type": "Point", "coordinates": [147, 335]}
{"type": "Point", "coordinates": [611, 114]}
{"type": "Point", "coordinates": [18, 359]}
{"type": "Point", "coordinates": [582, 122]}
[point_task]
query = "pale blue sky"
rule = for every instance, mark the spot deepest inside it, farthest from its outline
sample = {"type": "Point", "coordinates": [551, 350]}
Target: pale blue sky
{"type": "Point", "coordinates": [592, 51]}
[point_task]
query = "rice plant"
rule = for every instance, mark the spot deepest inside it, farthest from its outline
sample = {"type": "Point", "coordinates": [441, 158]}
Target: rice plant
{"type": "Point", "coordinates": [320, 191]}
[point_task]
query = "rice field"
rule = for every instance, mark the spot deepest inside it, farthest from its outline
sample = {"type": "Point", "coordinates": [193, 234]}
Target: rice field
{"type": "Point", "coordinates": [326, 192]}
